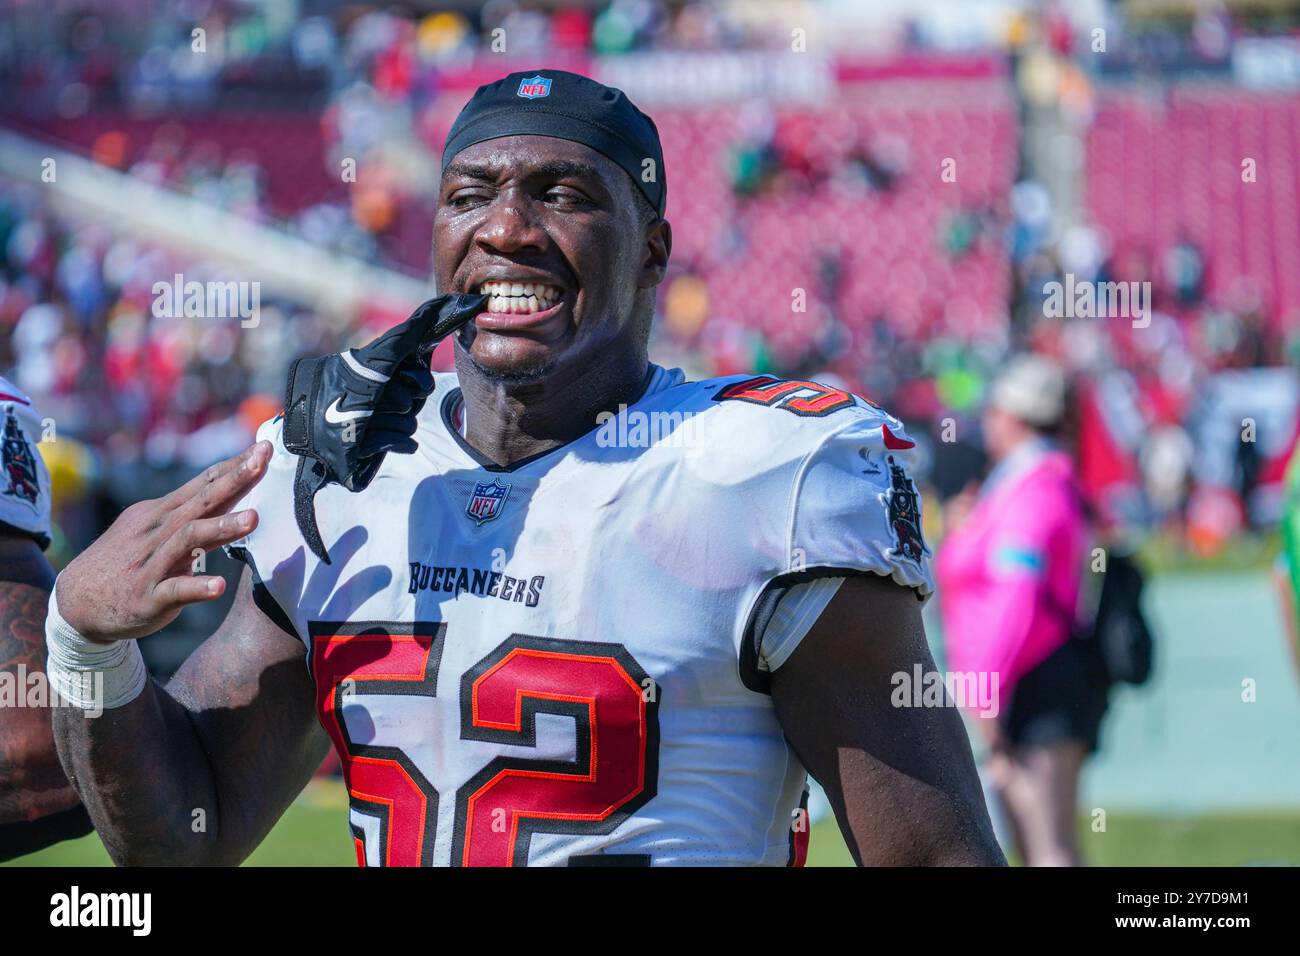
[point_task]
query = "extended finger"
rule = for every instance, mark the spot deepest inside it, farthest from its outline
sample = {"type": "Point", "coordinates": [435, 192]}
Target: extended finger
{"type": "Point", "coordinates": [225, 488]}
{"type": "Point", "coordinates": [387, 352]}
{"type": "Point", "coordinates": [200, 536]}
{"type": "Point", "coordinates": [177, 592]}
{"type": "Point", "coordinates": [453, 312]}
{"type": "Point", "coordinates": [210, 474]}
{"type": "Point", "coordinates": [431, 320]}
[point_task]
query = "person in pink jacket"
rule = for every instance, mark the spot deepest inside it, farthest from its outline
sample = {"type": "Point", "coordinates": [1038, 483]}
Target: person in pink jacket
{"type": "Point", "coordinates": [1010, 573]}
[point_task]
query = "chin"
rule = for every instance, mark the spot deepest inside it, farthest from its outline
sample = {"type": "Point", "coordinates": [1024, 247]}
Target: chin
{"type": "Point", "coordinates": [510, 359]}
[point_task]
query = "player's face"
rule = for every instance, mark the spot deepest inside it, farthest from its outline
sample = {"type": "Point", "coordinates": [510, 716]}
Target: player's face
{"type": "Point", "coordinates": [549, 230]}
{"type": "Point", "coordinates": [1002, 432]}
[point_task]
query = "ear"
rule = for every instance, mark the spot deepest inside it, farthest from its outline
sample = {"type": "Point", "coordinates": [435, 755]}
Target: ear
{"type": "Point", "coordinates": [658, 247]}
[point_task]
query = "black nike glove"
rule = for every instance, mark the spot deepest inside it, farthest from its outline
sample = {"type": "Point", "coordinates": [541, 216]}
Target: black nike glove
{"type": "Point", "coordinates": [344, 412]}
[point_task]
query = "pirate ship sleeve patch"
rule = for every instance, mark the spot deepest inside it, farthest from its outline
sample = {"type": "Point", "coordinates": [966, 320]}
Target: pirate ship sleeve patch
{"type": "Point", "coordinates": [24, 480]}
{"type": "Point", "coordinates": [856, 506]}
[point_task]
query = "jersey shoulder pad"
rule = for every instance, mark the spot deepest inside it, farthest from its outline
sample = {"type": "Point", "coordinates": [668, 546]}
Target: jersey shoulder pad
{"type": "Point", "coordinates": [790, 418]}
{"type": "Point", "coordinates": [853, 506]}
{"type": "Point", "coordinates": [856, 505]}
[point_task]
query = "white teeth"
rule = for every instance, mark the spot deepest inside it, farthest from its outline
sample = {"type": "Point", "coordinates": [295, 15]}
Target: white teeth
{"type": "Point", "coordinates": [519, 297]}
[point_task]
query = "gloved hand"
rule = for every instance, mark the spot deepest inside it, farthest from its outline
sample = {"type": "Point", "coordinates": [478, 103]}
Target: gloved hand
{"type": "Point", "coordinates": [344, 412]}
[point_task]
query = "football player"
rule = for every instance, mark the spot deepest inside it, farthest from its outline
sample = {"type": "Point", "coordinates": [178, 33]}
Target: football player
{"type": "Point", "coordinates": [38, 807]}
{"type": "Point", "coordinates": [589, 612]}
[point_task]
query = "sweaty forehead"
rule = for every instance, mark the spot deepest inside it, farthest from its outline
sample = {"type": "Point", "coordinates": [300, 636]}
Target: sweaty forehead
{"type": "Point", "coordinates": [511, 157]}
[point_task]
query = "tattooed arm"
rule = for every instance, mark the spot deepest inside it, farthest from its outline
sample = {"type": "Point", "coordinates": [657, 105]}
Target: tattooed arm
{"type": "Point", "coordinates": [199, 772]}
{"type": "Point", "coordinates": [37, 806]}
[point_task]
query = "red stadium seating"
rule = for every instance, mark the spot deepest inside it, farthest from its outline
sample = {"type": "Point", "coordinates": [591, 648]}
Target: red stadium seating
{"type": "Point", "coordinates": [753, 250]}
{"type": "Point", "coordinates": [1164, 168]}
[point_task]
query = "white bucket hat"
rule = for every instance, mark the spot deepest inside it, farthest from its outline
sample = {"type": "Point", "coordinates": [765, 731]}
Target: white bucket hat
{"type": "Point", "coordinates": [1032, 389]}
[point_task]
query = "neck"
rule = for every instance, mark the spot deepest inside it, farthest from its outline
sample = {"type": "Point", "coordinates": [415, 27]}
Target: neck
{"type": "Point", "coordinates": [510, 421]}
{"type": "Point", "coordinates": [1025, 439]}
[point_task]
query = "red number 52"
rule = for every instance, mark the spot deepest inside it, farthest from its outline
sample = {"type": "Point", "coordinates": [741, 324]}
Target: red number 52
{"type": "Point", "coordinates": [498, 810]}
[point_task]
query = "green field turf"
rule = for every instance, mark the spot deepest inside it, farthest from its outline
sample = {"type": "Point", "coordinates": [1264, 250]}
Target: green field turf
{"type": "Point", "coordinates": [314, 833]}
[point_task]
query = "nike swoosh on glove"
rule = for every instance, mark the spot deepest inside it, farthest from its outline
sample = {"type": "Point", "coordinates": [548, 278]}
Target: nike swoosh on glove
{"type": "Point", "coordinates": [344, 412]}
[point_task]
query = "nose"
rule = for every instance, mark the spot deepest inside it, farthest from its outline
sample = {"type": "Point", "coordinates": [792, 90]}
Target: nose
{"type": "Point", "coordinates": [510, 225]}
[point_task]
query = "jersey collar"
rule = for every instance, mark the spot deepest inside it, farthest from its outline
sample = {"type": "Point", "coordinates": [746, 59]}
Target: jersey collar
{"type": "Point", "coordinates": [452, 412]}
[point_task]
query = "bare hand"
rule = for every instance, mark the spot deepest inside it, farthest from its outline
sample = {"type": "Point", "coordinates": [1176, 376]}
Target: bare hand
{"type": "Point", "coordinates": [137, 576]}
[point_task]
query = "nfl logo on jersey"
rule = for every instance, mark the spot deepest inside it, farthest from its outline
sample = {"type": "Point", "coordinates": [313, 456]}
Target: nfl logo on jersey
{"type": "Point", "coordinates": [533, 87]}
{"type": "Point", "coordinates": [486, 501]}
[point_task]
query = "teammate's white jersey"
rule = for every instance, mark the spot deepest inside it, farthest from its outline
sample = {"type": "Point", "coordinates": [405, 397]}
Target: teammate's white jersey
{"type": "Point", "coordinates": [560, 662]}
{"type": "Point", "coordinates": [24, 480]}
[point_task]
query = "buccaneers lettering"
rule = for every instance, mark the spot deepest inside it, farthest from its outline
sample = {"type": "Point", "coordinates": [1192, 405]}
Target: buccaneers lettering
{"type": "Point", "coordinates": [477, 581]}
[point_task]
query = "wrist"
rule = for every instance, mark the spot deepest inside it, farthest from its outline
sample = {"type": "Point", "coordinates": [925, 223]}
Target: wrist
{"type": "Point", "coordinates": [69, 621]}
{"type": "Point", "coordinates": [90, 674]}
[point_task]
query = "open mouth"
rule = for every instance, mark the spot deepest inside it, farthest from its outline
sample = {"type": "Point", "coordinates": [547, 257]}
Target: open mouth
{"type": "Point", "coordinates": [508, 297]}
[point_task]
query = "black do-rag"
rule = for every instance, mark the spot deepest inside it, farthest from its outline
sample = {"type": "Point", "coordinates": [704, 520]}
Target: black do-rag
{"type": "Point", "coordinates": [566, 106]}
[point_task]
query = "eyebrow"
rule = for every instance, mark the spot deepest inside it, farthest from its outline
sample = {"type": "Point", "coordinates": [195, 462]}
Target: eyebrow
{"type": "Point", "coordinates": [551, 169]}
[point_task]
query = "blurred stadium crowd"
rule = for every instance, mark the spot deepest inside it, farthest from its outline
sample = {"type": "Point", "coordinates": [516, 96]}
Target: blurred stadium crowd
{"type": "Point", "coordinates": [818, 233]}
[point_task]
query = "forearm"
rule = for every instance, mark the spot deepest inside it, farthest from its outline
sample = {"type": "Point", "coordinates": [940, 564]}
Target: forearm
{"type": "Point", "coordinates": [198, 772]}
{"type": "Point", "coordinates": [32, 784]}
{"type": "Point", "coordinates": [144, 777]}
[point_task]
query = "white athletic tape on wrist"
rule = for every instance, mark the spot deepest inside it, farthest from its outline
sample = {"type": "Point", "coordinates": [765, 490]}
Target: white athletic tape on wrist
{"type": "Point", "coordinates": [94, 677]}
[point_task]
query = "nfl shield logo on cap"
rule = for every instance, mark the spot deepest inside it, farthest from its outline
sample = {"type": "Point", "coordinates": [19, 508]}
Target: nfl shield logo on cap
{"type": "Point", "coordinates": [486, 501]}
{"type": "Point", "coordinates": [532, 87]}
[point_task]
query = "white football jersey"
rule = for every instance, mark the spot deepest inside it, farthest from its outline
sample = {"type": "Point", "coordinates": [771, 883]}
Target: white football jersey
{"type": "Point", "coordinates": [25, 482]}
{"type": "Point", "coordinates": [560, 662]}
